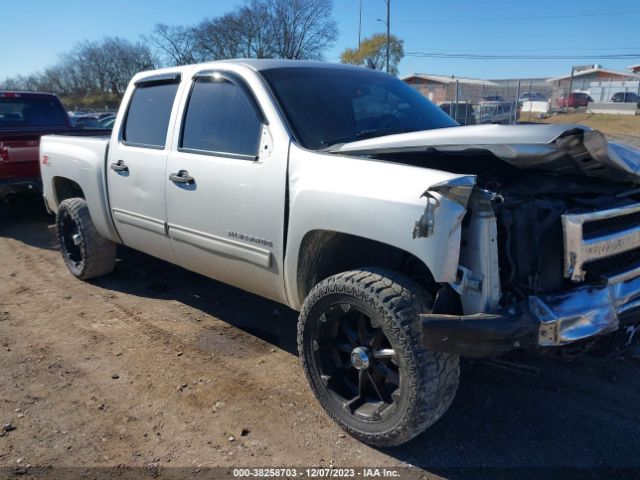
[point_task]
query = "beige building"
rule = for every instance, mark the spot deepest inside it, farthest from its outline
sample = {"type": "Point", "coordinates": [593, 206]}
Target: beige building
{"type": "Point", "coordinates": [593, 73]}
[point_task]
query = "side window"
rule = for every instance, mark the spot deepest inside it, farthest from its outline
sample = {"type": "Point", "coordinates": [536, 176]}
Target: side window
{"type": "Point", "coordinates": [148, 116]}
{"type": "Point", "coordinates": [220, 119]}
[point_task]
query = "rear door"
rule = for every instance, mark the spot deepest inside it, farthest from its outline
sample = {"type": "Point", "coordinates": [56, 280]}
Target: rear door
{"type": "Point", "coordinates": [226, 186]}
{"type": "Point", "coordinates": [137, 166]}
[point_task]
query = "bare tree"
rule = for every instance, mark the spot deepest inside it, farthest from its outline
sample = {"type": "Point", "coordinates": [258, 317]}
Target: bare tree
{"type": "Point", "coordinates": [176, 44]}
{"type": "Point", "coordinates": [244, 33]}
{"type": "Point", "coordinates": [220, 38]}
{"type": "Point", "coordinates": [100, 68]}
{"type": "Point", "coordinates": [296, 29]}
{"type": "Point", "coordinates": [121, 60]}
{"type": "Point", "coordinates": [301, 29]}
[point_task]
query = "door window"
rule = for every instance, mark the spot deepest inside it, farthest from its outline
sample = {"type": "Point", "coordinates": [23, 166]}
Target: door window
{"type": "Point", "coordinates": [148, 116]}
{"type": "Point", "coordinates": [220, 119]}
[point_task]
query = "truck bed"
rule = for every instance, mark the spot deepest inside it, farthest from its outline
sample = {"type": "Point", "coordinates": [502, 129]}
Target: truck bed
{"type": "Point", "coordinates": [82, 158]}
{"type": "Point", "coordinates": [19, 156]}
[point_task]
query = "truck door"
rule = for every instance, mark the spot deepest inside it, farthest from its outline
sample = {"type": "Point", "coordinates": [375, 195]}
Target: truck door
{"type": "Point", "coordinates": [137, 165]}
{"type": "Point", "coordinates": [226, 186]}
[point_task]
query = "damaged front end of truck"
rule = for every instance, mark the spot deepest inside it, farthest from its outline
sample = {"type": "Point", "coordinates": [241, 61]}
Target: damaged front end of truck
{"type": "Point", "coordinates": [550, 248]}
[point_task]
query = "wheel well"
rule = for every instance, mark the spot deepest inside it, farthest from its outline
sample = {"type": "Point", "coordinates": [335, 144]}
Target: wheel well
{"type": "Point", "coordinates": [324, 253]}
{"type": "Point", "coordinates": [65, 188]}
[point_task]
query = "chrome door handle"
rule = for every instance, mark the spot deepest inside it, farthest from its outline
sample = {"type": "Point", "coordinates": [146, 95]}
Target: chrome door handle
{"type": "Point", "coordinates": [119, 166]}
{"type": "Point", "coordinates": [181, 177]}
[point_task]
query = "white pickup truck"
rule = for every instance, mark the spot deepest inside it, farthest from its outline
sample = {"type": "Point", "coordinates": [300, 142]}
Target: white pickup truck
{"type": "Point", "coordinates": [403, 239]}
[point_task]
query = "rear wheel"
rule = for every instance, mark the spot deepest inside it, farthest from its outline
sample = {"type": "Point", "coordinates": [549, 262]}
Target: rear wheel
{"type": "Point", "coordinates": [86, 253]}
{"type": "Point", "coordinates": [360, 342]}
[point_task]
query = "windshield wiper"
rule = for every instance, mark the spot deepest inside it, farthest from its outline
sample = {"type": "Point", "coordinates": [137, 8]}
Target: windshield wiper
{"type": "Point", "coordinates": [362, 135]}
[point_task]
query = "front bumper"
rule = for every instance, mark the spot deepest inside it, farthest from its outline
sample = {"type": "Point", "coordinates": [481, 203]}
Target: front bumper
{"type": "Point", "coordinates": [542, 321]}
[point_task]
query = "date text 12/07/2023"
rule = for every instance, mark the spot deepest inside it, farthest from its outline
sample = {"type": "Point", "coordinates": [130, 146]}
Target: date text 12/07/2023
{"type": "Point", "coordinates": [316, 472]}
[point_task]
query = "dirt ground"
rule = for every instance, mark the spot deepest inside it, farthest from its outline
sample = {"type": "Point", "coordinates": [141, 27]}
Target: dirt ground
{"type": "Point", "coordinates": [156, 366]}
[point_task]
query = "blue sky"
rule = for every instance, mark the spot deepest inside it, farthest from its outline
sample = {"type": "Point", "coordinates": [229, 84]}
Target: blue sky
{"type": "Point", "coordinates": [34, 32]}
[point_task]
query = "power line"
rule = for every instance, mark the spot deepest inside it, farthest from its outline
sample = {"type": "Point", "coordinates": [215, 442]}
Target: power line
{"type": "Point", "coordinates": [480, 56]}
{"type": "Point", "coordinates": [521, 17]}
{"type": "Point", "coordinates": [520, 50]}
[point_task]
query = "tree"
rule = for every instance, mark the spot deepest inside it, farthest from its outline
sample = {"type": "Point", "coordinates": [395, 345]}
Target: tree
{"type": "Point", "coordinates": [97, 70]}
{"type": "Point", "coordinates": [233, 35]}
{"type": "Point", "coordinates": [301, 29]}
{"type": "Point", "coordinates": [119, 60]}
{"type": "Point", "coordinates": [295, 29]}
{"type": "Point", "coordinates": [373, 53]}
{"type": "Point", "coordinates": [176, 45]}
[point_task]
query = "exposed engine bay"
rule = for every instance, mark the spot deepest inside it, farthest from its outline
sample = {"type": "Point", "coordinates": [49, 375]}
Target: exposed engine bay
{"type": "Point", "coordinates": [550, 238]}
{"type": "Point", "coordinates": [529, 206]}
{"type": "Point", "coordinates": [530, 193]}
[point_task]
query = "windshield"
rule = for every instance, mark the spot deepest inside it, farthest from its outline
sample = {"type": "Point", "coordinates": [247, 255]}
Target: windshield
{"type": "Point", "coordinates": [24, 111]}
{"type": "Point", "coordinates": [329, 106]}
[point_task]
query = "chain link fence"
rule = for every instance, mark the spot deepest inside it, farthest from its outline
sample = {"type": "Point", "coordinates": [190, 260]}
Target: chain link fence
{"type": "Point", "coordinates": [510, 101]}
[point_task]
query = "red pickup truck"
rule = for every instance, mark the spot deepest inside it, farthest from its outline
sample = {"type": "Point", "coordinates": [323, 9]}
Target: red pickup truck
{"type": "Point", "coordinates": [24, 118]}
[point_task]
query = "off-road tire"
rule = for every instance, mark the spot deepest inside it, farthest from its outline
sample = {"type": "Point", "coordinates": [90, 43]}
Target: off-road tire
{"type": "Point", "coordinates": [428, 380]}
{"type": "Point", "coordinates": [98, 254]}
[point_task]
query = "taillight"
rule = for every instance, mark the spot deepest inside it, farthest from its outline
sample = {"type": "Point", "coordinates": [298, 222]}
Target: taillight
{"type": "Point", "coordinates": [4, 154]}
{"type": "Point", "coordinates": [9, 95]}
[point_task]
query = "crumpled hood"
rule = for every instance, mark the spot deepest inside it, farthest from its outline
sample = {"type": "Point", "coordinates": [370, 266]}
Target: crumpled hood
{"type": "Point", "coordinates": [569, 149]}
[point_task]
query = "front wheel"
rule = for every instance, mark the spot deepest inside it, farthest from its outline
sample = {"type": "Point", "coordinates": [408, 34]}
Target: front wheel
{"type": "Point", "coordinates": [360, 342]}
{"type": "Point", "coordinates": [86, 253]}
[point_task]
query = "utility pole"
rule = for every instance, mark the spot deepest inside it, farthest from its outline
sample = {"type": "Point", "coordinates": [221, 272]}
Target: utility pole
{"type": "Point", "coordinates": [568, 96]}
{"type": "Point", "coordinates": [388, 32]}
{"type": "Point", "coordinates": [388, 24]}
{"type": "Point", "coordinates": [360, 27]}
{"type": "Point", "coordinates": [515, 105]}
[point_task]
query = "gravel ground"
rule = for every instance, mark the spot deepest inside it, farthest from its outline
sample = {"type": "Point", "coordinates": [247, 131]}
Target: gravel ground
{"type": "Point", "coordinates": [157, 367]}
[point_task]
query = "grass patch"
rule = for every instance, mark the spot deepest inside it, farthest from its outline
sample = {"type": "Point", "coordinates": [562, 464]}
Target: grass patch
{"type": "Point", "coordinates": [608, 124]}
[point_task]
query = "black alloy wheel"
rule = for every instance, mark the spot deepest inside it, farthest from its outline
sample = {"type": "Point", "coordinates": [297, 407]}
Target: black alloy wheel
{"type": "Point", "coordinates": [356, 362]}
{"type": "Point", "coordinates": [361, 347]}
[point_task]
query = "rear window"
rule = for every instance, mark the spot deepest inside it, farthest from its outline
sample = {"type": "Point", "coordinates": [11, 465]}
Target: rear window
{"type": "Point", "coordinates": [19, 111]}
{"type": "Point", "coordinates": [148, 116]}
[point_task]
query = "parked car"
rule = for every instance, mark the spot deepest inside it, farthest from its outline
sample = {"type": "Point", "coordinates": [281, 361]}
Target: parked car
{"type": "Point", "coordinates": [87, 121]}
{"type": "Point", "coordinates": [107, 122]}
{"type": "Point", "coordinates": [532, 97]}
{"type": "Point", "coordinates": [79, 113]}
{"type": "Point", "coordinates": [626, 97]}
{"type": "Point", "coordinates": [403, 239]}
{"type": "Point", "coordinates": [574, 100]}
{"type": "Point", "coordinates": [493, 98]}
{"type": "Point", "coordinates": [530, 107]}
{"type": "Point", "coordinates": [24, 118]}
{"type": "Point", "coordinates": [462, 112]}
{"type": "Point", "coordinates": [495, 112]}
